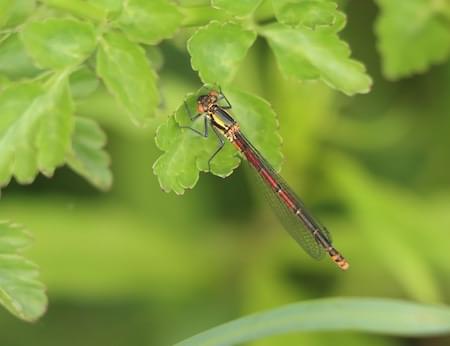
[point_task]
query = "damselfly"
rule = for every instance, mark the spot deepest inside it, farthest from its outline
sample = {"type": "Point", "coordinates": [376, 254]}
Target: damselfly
{"type": "Point", "coordinates": [306, 230]}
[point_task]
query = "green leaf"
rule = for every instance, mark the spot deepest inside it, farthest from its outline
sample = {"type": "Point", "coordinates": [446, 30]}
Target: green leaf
{"type": "Point", "coordinates": [201, 14]}
{"type": "Point", "coordinates": [20, 11]}
{"type": "Point", "coordinates": [217, 49]}
{"type": "Point", "coordinates": [88, 157]}
{"type": "Point", "coordinates": [80, 8]}
{"type": "Point", "coordinates": [83, 83]}
{"type": "Point", "coordinates": [372, 315]}
{"type": "Point", "coordinates": [309, 13]}
{"type": "Point", "coordinates": [127, 73]}
{"type": "Point", "coordinates": [20, 290]}
{"type": "Point", "coordinates": [187, 153]}
{"type": "Point", "coordinates": [6, 9]}
{"type": "Point", "coordinates": [114, 6]}
{"type": "Point", "coordinates": [149, 21]}
{"type": "Point", "coordinates": [317, 54]}
{"type": "Point", "coordinates": [240, 8]}
{"type": "Point", "coordinates": [56, 42]}
{"type": "Point", "coordinates": [14, 61]}
{"type": "Point", "coordinates": [35, 128]}
{"type": "Point", "coordinates": [412, 36]}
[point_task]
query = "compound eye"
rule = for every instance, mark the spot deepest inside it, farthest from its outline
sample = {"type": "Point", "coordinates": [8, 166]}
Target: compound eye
{"type": "Point", "coordinates": [213, 93]}
{"type": "Point", "coordinates": [200, 107]}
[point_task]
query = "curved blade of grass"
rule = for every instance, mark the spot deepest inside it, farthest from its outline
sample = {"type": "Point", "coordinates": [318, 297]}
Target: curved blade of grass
{"type": "Point", "coordinates": [373, 315]}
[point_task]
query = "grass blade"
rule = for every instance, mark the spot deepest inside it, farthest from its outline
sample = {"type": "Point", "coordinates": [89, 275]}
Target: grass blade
{"type": "Point", "coordinates": [372, 315]}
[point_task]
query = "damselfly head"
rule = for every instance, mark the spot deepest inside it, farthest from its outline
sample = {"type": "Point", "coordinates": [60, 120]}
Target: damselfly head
{"type": "Point", "coordinates": [206, 101]}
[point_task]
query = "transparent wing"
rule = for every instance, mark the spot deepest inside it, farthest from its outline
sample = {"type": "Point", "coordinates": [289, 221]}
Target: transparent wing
{"type": "Point", "coordinates": [301, 205]}
{"type": "Point", "coordinates": [291, 222]}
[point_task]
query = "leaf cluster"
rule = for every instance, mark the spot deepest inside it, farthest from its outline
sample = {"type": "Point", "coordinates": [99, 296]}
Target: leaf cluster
{"type": "Point", "coordinates": [304, 38]}
{"type": "Point", "coordinates": [20, 291]}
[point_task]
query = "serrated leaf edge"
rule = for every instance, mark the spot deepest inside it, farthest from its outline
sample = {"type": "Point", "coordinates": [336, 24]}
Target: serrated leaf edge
{"type": "Point", "coordinates": [193, 60]}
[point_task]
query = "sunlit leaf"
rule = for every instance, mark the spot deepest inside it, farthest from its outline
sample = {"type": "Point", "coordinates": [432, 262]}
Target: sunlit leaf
{"type": "Point", "coordinates": [412, 36]}
{"type": "Point", "coordinates": [20, 290]}
{"type": "Point", "coordinates": [88, 157]}
{"type": "Point", "coordinates": [309, 13]}
{"type": "Point", "coordinates": [14, 60]}
{"type": "Point", "coordinates": [316, 54]}
{"type": "Point", "coordinates": [238, 8]}
{"type": "Point", "coordinates": [149, 21]}
{"type": "Point", "coordinates": [217, 49]}
{"type": "Point", "coordinates": [187, 153]}
{"type": "Point", "coordinates": [127, 73]}
{"type": "Point", "coordinates": [372, 315]}
{"type": "Point", "coordinates": [35, 128]}
{"type": "Point", "coordinates": [56, 43]}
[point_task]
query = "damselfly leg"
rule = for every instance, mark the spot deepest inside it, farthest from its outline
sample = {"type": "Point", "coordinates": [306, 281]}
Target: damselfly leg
{"type": "Point", "coordinates": [223, 97]}
{"type": "Point", "coordinates": [204, 133]}
{"type": "Point", "coordinates": [218, 149]}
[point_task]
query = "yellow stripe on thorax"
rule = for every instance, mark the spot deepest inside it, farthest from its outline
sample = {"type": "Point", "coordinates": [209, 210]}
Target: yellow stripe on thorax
{"type": "Point", "coordinates": [218, 120]}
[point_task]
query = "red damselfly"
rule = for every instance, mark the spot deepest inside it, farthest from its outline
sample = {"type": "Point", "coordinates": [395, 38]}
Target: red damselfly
{"type": "Point", "coordinates": [306, 230]}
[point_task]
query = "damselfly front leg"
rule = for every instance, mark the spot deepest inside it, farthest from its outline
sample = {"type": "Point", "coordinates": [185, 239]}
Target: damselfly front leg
{"type": "Point", "coordinates": [223, 97]}
{"type": "Point", "coordinates": [193, 118]}
{"type": "Point", "coordinates": [204, 133]}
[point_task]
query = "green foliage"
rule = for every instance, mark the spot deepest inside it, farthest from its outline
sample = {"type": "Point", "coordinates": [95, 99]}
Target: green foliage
{"type": "Point", "coordinates": [7, 7]}
{"type": "Point", "coordinates": [57, 43]}
{"type": "Point", "coordinates": [83, 83]}
{"type": "Point", "coordinates": [148, 21]}
{"type": "Point", "coordinates": [307, 54]}
{"type": "Point", "coordinates": [47, 42]}
{"type": "Point", "coordinates": [113, 6]}
{"type": "Point", "coordinates": [88, 157]}
{"type": "Point", "coordinates": [20, 291]}
{"type": "Point", "coordinates": [371, 315]}
{"type": "Point", "coordinates": [217, 49]}
{"type": "Point", "coordinates": [413, 35]}
{"type": "Point", "coordinates": [238, 8]}
{"type": "Point", "coordinates": [35, 129]}
{"type": "Point", "coordinates": [311, 14]}
{"type": "Point", "coordinates": [187, 153]}
{"type": "Point", "coordinates": [14, 60]}
{"type": "Point", "coordinates": [127, 73]}
{"type": "Point", "coordinates": [20, 11]}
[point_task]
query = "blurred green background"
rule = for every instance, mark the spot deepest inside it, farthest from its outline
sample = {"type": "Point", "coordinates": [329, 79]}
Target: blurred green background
{"type": "Point", "coordinates": [136, 266]}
